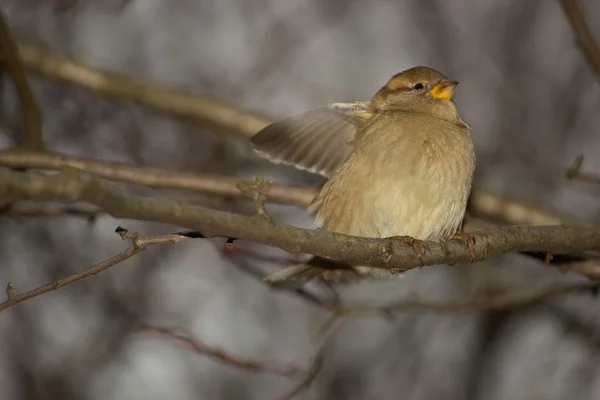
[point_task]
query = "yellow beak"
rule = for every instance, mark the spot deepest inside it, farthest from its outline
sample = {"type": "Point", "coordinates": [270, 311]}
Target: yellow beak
{"type": "Point", "coordinates": [444, 90]}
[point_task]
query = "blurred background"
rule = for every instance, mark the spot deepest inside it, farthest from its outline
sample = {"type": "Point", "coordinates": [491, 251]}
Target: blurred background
{"type": "Point", "coordinates": [525, 88]}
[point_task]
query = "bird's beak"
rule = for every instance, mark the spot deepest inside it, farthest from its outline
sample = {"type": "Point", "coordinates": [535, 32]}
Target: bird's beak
{"type": "Point", "coordinates": [444, 90]}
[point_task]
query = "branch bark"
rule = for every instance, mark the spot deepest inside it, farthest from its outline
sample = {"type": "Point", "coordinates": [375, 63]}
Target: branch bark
{"type": "Point", "coordinates": [71, 186]}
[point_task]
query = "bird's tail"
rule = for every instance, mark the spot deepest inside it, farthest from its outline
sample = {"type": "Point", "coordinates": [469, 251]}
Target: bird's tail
{"type": "Point", "coordinates": [313, 268]}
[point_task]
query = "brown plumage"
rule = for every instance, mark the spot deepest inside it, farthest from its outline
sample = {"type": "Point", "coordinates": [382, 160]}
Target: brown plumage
{"type": "Point", "coordinates": [398, 165]}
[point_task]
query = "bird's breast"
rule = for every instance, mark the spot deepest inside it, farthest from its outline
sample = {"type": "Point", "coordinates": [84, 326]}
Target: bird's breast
{"type": "Point", "coordinates": [413, 183]}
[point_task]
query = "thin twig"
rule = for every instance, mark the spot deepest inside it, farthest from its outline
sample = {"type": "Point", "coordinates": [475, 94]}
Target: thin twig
{"type": "Point", "coordinates": [31, 138]}
{"type": "Point", "coordinates": [257, 190]}
{"type": "Point", "coordinates": [574, 172]}
{"type": "Point", "coordinates": [222, 356]}
{"type": "Point", "coordinates": [39, 211]}
{"type": "Point", "coordinates": [139, 244]}
{"type": "Point", "coordinates": [331, 327]}
{"type": "Point", "coordinates": [329, 305]}
{"type": "Point", "coordinates": [498, 302]}
{"type": "Point", "coordinates": [583, 33]}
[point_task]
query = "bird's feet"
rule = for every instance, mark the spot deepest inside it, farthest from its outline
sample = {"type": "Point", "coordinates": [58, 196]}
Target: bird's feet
{"type": "Point", "coordinates": [416, 244]}
{"type": "Point", "coordinates": [468, 240]}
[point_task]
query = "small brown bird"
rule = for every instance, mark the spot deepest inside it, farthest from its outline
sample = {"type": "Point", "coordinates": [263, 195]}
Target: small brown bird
{"type": "Point", "coordinates": [398, 165]}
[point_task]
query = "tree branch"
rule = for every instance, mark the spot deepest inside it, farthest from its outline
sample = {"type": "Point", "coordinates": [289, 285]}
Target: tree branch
{"type": "Point", "coordinates": [70, 186]}
{"type": "Point", "coordinates": [31, 137]}
{"type": "Point", "coordinates": [154, 177]}
{"type": "Point", "coordinates": [139, 244]}
{"type": "Point", "coordinates": [222, 356]}
{"type": "Point", "coordinates": [583, 34]}
{"type": "Point", "coordinates": [156, 96]}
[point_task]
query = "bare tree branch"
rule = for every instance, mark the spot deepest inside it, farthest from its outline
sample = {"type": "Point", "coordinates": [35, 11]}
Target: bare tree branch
{"type": "Point", "coordinates": [160, 97]}
{"type": "Point", "coordinates": [139, 244]}
{"type": "Point", "coordinates": [154, 177]}
{"type": "Point", "coordinates": [222, 356]}
{"type": "Point", "coordinates": [583, 34]}
{"type": "Point", "coordinates": [70, 186]}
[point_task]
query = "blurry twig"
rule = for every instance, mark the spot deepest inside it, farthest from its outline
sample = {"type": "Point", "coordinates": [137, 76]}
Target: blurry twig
{"type": "Point", "coordinates": [139, 244]}
{"type": "Point", "coordinates": [31, 137]}
{"type": "Point", "coordinates": [497, 302]}
{"type": "Point", "coordinates": [221, 356]}
{"type": "Point", "coordinates": [329, 305]}
{"type": "Point", "coordinates": [17, 210]}
{"type": "Point", "coordinates": [503, 209]}
{"type": "Point", "coordinates": [161, 97]}
{"type": "Point", "coordinates": [587, 268]}
{"type": "Point", "coordinates": [583, 34]}
{"type": "Point", "coordinates": [331, 327]}
{"type": "Point", "coordinates": [574, 172]}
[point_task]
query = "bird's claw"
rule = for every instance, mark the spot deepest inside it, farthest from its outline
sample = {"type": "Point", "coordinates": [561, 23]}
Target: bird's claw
{"type": "Point", "coordinates": [468, 240]}
{"type": "Point", "coordinates": [416, 244]}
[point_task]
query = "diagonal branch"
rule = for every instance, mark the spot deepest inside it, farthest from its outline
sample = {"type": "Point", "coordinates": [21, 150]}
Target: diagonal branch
{"type": "Point", "coordinates": [583, 33]}
{"type": "Point", "coordinates": [70, 186]}
{"type": "Point", "coordinates": [139, 244]}
{"type": "Point", "coordinates": [157, 96]}
{"type": "Point", "coordinates": [574, 172]}
{"type": "Point", "coordinates": [222, 356]}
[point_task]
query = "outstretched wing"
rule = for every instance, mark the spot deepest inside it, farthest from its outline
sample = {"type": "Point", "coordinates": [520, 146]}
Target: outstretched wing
{"type": "Point", "coordinates": [317, 141]}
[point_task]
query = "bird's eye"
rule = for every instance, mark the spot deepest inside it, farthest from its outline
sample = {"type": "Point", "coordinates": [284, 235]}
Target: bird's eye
{"type": "Point", "coordinates": [418, 86]}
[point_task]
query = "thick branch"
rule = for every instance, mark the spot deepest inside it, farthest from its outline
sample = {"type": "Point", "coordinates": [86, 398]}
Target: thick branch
{"type": "Point", "coordinates": [31, 138]}
{"type": "Point", "coordinates": [583, 34]}
{"type": "Point", "coordinates": [70, 186]}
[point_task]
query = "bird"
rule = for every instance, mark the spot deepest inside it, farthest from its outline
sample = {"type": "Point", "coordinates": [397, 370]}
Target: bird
{"type": "Point", "coordinates": [398, 166]}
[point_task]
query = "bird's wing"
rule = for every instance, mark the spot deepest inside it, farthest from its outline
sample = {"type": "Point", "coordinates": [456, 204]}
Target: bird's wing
{"type": "Point", "coordinates": [317, 141]}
